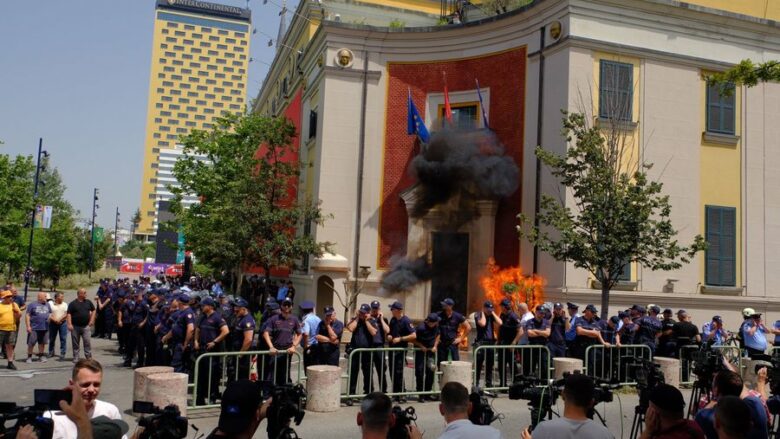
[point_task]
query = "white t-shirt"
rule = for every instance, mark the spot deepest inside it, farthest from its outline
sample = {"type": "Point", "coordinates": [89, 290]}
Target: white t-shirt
{"type": "Point", "coordinates": [64, 428]}
{"type": "Point", "coordinates": [58, 311]}
{"type": "Point", "coordinates": [523, 319]}
{"type": "Point", "coordinates": [564, 428]}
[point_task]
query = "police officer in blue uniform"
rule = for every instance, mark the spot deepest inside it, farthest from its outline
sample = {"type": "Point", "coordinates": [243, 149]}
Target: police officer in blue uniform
{"type": "Point", "coordinates": [508, 335]}
{"type": "Point", "coordinates": [310, 322]}
{"type": "Point", "coordinates": [487, 323]}
{"type": "Point", "coordinates": [109, 311]}
{"type": "Point", "coordinates": [402, 331]}
{"type": "Point", "coordinates": [329, 333]}
{"type": "Point", "coordinates": [210, 333]}
{"type": "Point", "coordinates": [181, 333]}
{"type": "Point", "coordinates": [538, 330]}
{"type": "Point", "coordinates": [124, 321]}
{"type": "Point", "coordinates": [571, 330]}
{"type": "Point", "coordinates": [241, 336]}
{"type": "Point", "coordinates": [362, 335]}
{"type": "Point", "coordinates": [649, 328]}
{"type": "Point", "coordinates": [449, 323]}
{"type": "Point", "coordinates": [137, 341]}
{"type": "Point", "coordinates": [102, 299]}
{"type": "Point", "coordinates": [588, 332]}
{"type": "Point", "coordinates": [162, 353]}
{"type": "Point", "coordinates": [154, 305]}
{"type": "Point", "coordinates": [378, 341]}
{"type": "Point", "coordinates": [557, 341]}
{"type": "Point", "coordinates": [282, 332]}
{"type": "Point", "coordinates": [427, 338]}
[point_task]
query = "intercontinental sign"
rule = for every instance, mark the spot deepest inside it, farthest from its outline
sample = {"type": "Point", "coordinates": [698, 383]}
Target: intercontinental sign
{"type": "Point", "coordinates": [213, 7]}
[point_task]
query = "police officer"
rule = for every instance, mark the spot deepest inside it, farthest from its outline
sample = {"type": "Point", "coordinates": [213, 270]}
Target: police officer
{"type": "Point", "coordinates": [209, 335]}
{"type": "Point", "coordinates": [378, 342]}
{"type": "Point", "coordinates": [150, 340]}
{"type": "Point", "coordinates": [282, 332]}
{"type": "Point", "coordinates": [571, 331]}
{"type": "Point", "coordinates": [181, 333]}
{"type": "Point", "coordinates": [362, 335]}
{"type": "Point", "coordinates": [162, 351]}
{"type": "Point", "coordinates": [109, 312]}
{"type": "Point", "coordinates": [754, 331]}
{"type": "Point", "coordinates": [665, 341]}
{"type": "Point", "coordinates": [649, 327]}
{"type": "Point", "coordinates": [329, 333]}
{"type": "Point", "coordinates": [425, 357]}
{"type": "Point", "coordinates": [401, 332]}
{"type": "Point", "coordinates": [487, 323]}
{"type": "Point", "coordinates": [124, 320]}
{"type": "Point", "coordinates": [588, 332]}
{"type": "Point", "coordinates": [310, 324]}
{"type": "Point", "coordinates": [449, 323]}
{"type": "Point", "coordinates": [102, 299]}
{"type": "Point", "coordinates": [508, 335]}
{"type": "Point", "coordinates": [538, 331]}
{"type": "Point", "coordinates": [241, 334]}
{"type": "Point", "coordinates": [556, 343]}
{"type": "Point", "coordinates": [137, 341]}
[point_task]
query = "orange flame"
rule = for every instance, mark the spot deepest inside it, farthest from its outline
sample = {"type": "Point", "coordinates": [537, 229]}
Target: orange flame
{"type": "Point", "coordinates": [502, 283]}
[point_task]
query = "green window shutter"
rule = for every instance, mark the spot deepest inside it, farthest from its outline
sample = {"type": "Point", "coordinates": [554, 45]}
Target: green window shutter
{"type": "Point", "coordinates": [616, 90]}
{"type": "Point", "coordinates": [721, 115]}
{"type": "Point", "coordinates": [721, 234]}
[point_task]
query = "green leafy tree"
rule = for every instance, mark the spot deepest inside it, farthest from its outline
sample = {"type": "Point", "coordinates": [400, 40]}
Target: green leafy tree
{"type": "Point", "coordinates": [15, 209]}
{"type": "Point", "coordinates": [248, 214]}
{"type": "Point", "coordinates": [137, 249]}
{"type": "Point", "coordinates": [747, 73]}
{"type": "Point", "coordinates": [102, 250]}
{"type": "Point", "coordinates": [135, 221]}
{"type": "Point", "coordinates": [618, 215]}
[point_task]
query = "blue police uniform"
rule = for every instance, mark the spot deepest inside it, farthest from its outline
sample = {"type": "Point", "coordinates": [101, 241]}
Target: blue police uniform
{"type": "Point", "coordinates": [402, 327]}
{"type": "Point", "coordinates": [448, 327]}
{"type": "Point", "coordinates": [282, 331]}
{"type": "Point", "coordinates": [163, 353]}
{"type": "Point", "coordinates": [152, 319]}
{"type": "Point", "coordinates": [100, 318]}
{"type": "Point", "coordinates": [209, 369]}
{"type": "Point", "coordinates": [649, 327]}
{"type": "Point", "coordinates": [556, 343]}
{"type": "Point", "coordinates": [581, 342]}
{"type": "Point", "coordinates": [486, 336]}
{"type": "Point", "coordinates": [425, 362]}
{"type": "Point", "coordinates": [329, 352]}
{"type": "Point", "coordinates": [237, 330]}
{"type": "Point", "coordinates": [506, 335]}
{"type": "Point", "coordinates": [361, 338]}
{"type": "Point", "coordinates": [378, 357]}
{"type": "Point", "coordinates": [137, 340]}
{"type": "Point", "coordinates": [126, 317]}
{"type": "Point", "coordinates": [755, 344]}
{"type": "Point", "coordinates": [181, 353]}
{"type": "Point", "coordinates": [535, 363]}
{"type": "Point", "coordinates": [311, 355]}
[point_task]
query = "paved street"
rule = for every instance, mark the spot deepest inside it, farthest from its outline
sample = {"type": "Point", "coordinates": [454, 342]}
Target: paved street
{"type": "Point", "coordinates": [118, 381]}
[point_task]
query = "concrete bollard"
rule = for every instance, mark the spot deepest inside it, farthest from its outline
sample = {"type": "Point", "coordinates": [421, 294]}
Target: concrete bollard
{"type": "Point", "coordinates": [565, 364]}
{"type": "Point", "coordinates": [141, 380]}
{"type": "Point", "coordinates": [670, 368]}
{"type": "Point", "coordinates": [163, 389]}
{"type": "Point", "coordinates": [323, 388]}
{"type": "Point", "coordinates": [458, 371]}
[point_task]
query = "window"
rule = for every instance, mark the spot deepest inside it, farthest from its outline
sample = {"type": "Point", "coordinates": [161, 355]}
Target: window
{"type": "Point", "coordinates": [218, 89]}
{"type": "Point", "coordinates": [237, 63]}
{"type": "Point", "coordinates": [194, 79]}
{"type": "Point", "coordinates": [721, 234]}
{"type": "Point", "coordinates": [181, 130]}
{"type": "Point", "coordinates": [177, 62]}
{"type": "Point", "coordinates": [205, 30]}
{"type": "Point", "coordinates": [213, 53]}
{"type": "Point", "coordinates": [197, 36]}
{"type": "Point", "coordinates": [190, 124]}
{"type": "Point", "coordinates": [195, 50]}
{"type": "Point", "coordinates": [200, 117]}
{"type": "Point", "coordinates": [720, 110]}
{"type": "Point", "coordinates": [209, 96]}
{"type": "Point", "coordinates": [173, 122]}
{"type": "Point", "coordinates": [170, 136]}
{"type": "Point", "coordinates": [184, 85]}
{"type": "Point", "coordinates": [179, 33]}
{"type": "Point", "coordinates": [202, 73]}
{"type": "Point", "coordinates": [192, 109]}
{"type": "Point", "coordinates": [202, 88]}
{"type": "Point", "coordinates": [204, 59]}
{"type": "Point", "coordinates": [205, 23]}
{"type": "Point", "coordinates": [163, 46]}
{"type": "Point", "coordinates": [213, 38]}
{"type": "Point", "coordinates": [161, 75]}
{"type": "Point", "coordinates": [166, 98]}
{"type": "Point", "coordinates": [186, 56]}
{"type": "Point", "coordinates": [463, 115]}
{"type": "Point", "coordinates": [158, 105]}
{"type": "Point", "coordinates": [168, 69]}
{"type": "Point", "coordinates": [207, 110]}
{"type": "Point", "coordinates": [227, 98]}
{"type": "Point", "coordinates": [221, 61]}
{"type": "Point", "coordinates": [312, 123]}
{"type": "Point", "coordinates": [235, 107]}
{"type": "Point", "coordinates": [170, 54]}
{"type": "Point", "coordinates": [218, 104]}
{"type": "Point", "coordinates": [186, 71]}
{"type": "Point", "coordinates": [199, 102]}
{"type": "Point", "coordinates": [170, 39]}
{"type": "Point", "coordinates": [174, 106]}
{"type": "Point", "coordinates": [228, 69]}
{"type": "Point", "coordinates": [219, 75]}
{"type": "Point", "coordinates": [176, 77]}
{"type": "Point", "coordinates": [176, 92]}
{"type": "Point", "coordinates": [616, 90]}
{"type": "Point", "coordinates": [230, 41]}
{"type": "Point", "coordinates": [227, 83]}
{"type": "Point", "coordinates": [188, 42]}
{"type": "Point", "coordinates": [211, 67]}
{"type": "Point", "coordinates": [182, 115]}
{"type": "Point", "coordinates": [238, 35]}
{"type": "Point", "coordinates": [235, 92]}
{"type": "Point", "coordinates": [169, 24]}
{"type": "Point", "coordinates": [165, 113]}
{"type": "Point", "coordinates": [192, 94]}
{"type": "Point", "coordinates": [167, 84]}
{"type": "Point", "coordinates": [157, 120]}
{"type": "Point", "coordinates": [223, 32]}
{"type": "Point", "coordinates": [163, 60]}
{"type": "Point", "coordinates": [205, 44]}
{"type": "Point", "coordinates": [178, 48]}
{"type": "Point", "coordinates": [156, 135]}
{"type": "Point", "coordinates": [229, 55]}
{"type": "Point", "coordinates": [163, 143]}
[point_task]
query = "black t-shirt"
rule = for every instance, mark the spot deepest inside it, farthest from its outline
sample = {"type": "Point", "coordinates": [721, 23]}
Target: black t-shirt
{"type": "Point", "coordinates": [79, 312]}
{"type": "Point", "coordinates": [685, 330]}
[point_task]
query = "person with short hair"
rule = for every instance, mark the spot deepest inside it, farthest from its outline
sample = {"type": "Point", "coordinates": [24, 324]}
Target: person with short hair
{"type": "Point", "coordinates": [487, 323]}
{"type": "Point", "coordinates": [450, 321]}
{"type": "Point", "coordinates": [9, 315]}
{"type": "Point", "coordinates": [282, 332]}
{"type": "Point", "coordinates": [665, 417]}
{"type": "Point", "coordinates": [732, 418]}
{"type": "Point", "coordinates": [574, 424]}
{"type": "Point", "coordinates": [375, 416]}
{"type": "Point", "coordinates": [58, 326]}
{"type": "Point", "coordinates": [754, 331]}
{"type": "Point", "coordinates": [456, 407]}
{"type": "Point", "coordinates": [427, 340]}
{"type": "Point", "coordinates": [728, 383]}
{"type": "Point", "coordinates": [37, 321]}
{"type": "Point", "coordinates": [81, 318]}
{"type": "Point", "coordinates": [241, 410]}
{"type": "Point", "coordinates": [714, 332]}
{"type": "Point", "coordinates": [329, 333]}
{"type": "Point", "coordinates": [87, 376]}
{"type": "Point", "coordinates": [310, 322]}
{"type": "Point", "coordinates": [363, 330]}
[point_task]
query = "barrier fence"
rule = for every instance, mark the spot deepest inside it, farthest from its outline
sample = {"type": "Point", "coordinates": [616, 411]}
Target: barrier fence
{"type": "Point", "coordinates": [501, 363]}
{"type": "Point", "coordinates": [385, 369]}
{"type": "Point", "coordinates": [214, 370]}
{"type": "Point", "coordinates": [613, 363]}
{"type": "Point", "coordinates": [687, 355]}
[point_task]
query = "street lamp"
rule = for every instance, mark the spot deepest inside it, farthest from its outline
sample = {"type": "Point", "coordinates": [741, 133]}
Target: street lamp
{"type": "Point", "coordinates": [95, 207]}
{"type": "Point", "coordinates": [38, 168]}
{"type": "Point", "coordinates": [116, 229]}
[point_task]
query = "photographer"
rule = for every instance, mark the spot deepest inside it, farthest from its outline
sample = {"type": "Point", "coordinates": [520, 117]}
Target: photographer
{"type": "Point", "coordinates": [577, 401]}
{"type": "Point", "coordinates": [665, 418]}
{"type": "Point", "coordinates": [728, 383]}
{"type": "Point", "coordinates": [242, 410]}
{"type": "Point", "coordinates": [455, 407]}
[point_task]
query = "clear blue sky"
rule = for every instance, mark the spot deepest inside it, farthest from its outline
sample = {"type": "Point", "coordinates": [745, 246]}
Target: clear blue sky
{"type": "Point", "coordinates": [76, 73]}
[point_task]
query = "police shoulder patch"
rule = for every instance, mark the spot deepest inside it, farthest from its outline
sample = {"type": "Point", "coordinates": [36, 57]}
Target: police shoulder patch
{"type": "Point", "coordinates": [189, 316]}
{"type": "Point", "coordinates": [248, 324]}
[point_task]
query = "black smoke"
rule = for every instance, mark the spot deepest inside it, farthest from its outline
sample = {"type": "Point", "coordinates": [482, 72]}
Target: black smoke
{"type": "Point", "coordinates": [405, 273]}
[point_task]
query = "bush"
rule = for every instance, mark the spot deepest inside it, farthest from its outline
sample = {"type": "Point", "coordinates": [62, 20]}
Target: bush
{"type": "Point", "coordinates": [81, 280]}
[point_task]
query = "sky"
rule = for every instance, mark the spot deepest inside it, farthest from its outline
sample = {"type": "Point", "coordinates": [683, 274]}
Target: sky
{"type": "Point", "coordinates": [76, 73]}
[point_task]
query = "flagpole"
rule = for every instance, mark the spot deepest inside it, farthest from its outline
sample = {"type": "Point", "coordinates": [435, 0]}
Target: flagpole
{"type": "Point", "coordinates": [28, 269]}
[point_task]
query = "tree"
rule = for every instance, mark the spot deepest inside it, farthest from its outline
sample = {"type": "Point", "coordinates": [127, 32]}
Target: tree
{"type": "Point", "coordinates": [102, 250]}
{"type": "Point", "coordinates": [135, 221]}
{"type": "Point", "coordinates": [15, 209]}
{"type": "Point", "coordinates": [619, 216]}
{"type": "Point", "coordinates": [248, 214]}
{"type": "Point", "coordinates": [747, 73]}
{"type": "Point", "coordinates": [137, 249]}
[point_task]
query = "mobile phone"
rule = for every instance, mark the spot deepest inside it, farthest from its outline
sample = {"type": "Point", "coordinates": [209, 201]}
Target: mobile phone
{"type": "Point", "coordinates": [49, 399]}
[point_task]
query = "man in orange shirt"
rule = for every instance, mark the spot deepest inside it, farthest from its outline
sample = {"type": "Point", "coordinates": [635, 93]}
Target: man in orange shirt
{"type": "Point", "coordinates": [9, 316]}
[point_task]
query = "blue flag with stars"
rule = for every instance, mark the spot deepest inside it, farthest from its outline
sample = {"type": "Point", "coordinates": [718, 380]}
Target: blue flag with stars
{"type": "Point", "coordinates": [415, 124]}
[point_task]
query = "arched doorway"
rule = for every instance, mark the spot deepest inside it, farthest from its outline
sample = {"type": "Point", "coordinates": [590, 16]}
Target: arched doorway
{"type": "Point", "coordinates": [325, 288]}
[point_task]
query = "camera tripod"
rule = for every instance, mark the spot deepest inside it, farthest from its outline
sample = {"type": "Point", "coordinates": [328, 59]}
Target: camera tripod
{"type": "Point", "coordinates": [639, 420]}
{"type": "Point", "coordinates": [699, 388]}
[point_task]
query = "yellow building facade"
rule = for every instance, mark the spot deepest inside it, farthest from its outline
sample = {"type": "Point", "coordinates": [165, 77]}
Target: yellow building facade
{"type": "Point", "coordinates": [200, 59]}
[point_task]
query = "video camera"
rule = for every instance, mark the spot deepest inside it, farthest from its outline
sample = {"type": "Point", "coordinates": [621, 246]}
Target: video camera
{"type": "Point", "coordinates": [286, 407]}
{"type": "Point", "coordinates": [166, 423]}
{"type": "Point", "coordinates": [482, 412]}
{"type": "Point", "coordinates": [45, 400]}
{"type": "Point", "coordinates": [403, 418]}
{"type": "Point", "coordinates": [541, 396]}
{"type": "Point", "coordinates": [706, 363]}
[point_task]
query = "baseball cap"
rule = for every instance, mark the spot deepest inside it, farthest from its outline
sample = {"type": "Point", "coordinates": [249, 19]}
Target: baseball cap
{"type": "Point", "coordinates": [307, 304]}
{"type": "Point", "coordinates": [640, 309]}
{"type": "Point", "coordinates": [747, 312]}
{"type": "Point", "coordinates": [184, 297]}
{"type": "Point", "coordinates": [570, 305]}
{"type": "Point", "coordinates": [615, 320]}
{"type": "Point", "coordinates": [104, 427]}
{"type": "Point", "coordinates": [287, 300]}
{"type": "Point", "coordinates": [558, 305]}
{"type": "Point", "coordinates": [364, 308]}
{"type": "Point", "coordinates": [447, 302]}
{"type": "Point", "coordinates": [208, 302]}
{"type": "Point", "coordinates": [329, 311]}
{"type": "Point", "coordinates": [681, 311]}
{"type": "Point", "coordinates": [240, 302]}
{"type": "Point", "coordinates": [717, 319]}
{"type": "Point", "coordinates": [506, 303]}
{"type": "Point", "coordinates": [591, 308]}
{"type": "Point", "coordinates": [488, 304]}
{"type": "Point", "coordinates": [655, 308]}
{"type": "Point", "coordinates": [397, 305]}
{"type": "Point", "coordinates": [668, 311]}
{"type": "Point", "coordinates": [622, 314]}
{"type": "Point", "coordinates": [273, 306]}
{"type": "Point", "coordinates": [375, 304]}
{"type": "Point", "coordinates": [667, 398]}
{"type": "Point", "coordinates": [240, 400]}
{"type": "Point", "coordinates": [433, 317]}
{"type": "Point", "coordinates": [5, 294]}
{"type": "Point", "coordinates": [541, 308]}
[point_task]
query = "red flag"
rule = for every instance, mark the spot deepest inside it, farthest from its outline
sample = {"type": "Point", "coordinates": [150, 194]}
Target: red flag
{"type": "Point", "coordinates": [447, 108]}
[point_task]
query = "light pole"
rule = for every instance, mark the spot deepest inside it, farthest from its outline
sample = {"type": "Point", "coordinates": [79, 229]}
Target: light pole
{"type": "Point", "coordinates": [95, 207]}
{"type": "Point", "coordinates": [116, 229]}
{"type": "Point", "coordinates": [38, 167]}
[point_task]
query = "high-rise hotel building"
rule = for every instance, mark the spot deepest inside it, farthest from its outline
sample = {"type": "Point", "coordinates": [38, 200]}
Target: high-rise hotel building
{"type": "Point", "coordinates": [200, 59]}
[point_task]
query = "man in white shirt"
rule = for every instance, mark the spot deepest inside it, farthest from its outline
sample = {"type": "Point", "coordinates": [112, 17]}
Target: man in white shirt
{"type": "Point", "coordinates": [455, 407]}
{"type": "Point", "coordinates": [87, 376]}
{"type": "Point", "coordinates": [58, 325]}
{"type": "Point", "coordinates": [525, 315]}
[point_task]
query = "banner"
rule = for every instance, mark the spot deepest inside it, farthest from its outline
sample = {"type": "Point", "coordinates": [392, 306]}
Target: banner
{"type": "Point", "coordinates": [99, 234]}
{"type": "Point", "coordinates": [180, 247]}
{"type": "Point", "coordinates": [131, 267]}
{"type": "Point", "coordinates": [43, 217]}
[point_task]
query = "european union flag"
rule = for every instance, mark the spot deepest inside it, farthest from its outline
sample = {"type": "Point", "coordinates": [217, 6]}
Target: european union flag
{"type": "Point", "coordinates": [415, 123]}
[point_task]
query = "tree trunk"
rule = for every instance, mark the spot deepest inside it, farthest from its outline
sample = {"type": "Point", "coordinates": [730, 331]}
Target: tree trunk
{"type": "Point", "coordinates": [237, 283]}
{"type": "Point", "coordinates": [604, 299]}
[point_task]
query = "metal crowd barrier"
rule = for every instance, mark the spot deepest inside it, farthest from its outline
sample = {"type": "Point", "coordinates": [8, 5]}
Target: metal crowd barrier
{"type": "Point", "coordinates": [213, 370]}
{"type": "Point", "coordinates": [508, 361]}
{"type": "Point", "coordinates": [733, 354]}
{"type": "Point", "coordinates": [612, 363]}
{"type": "Point", "coordinates": [374, 369]}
